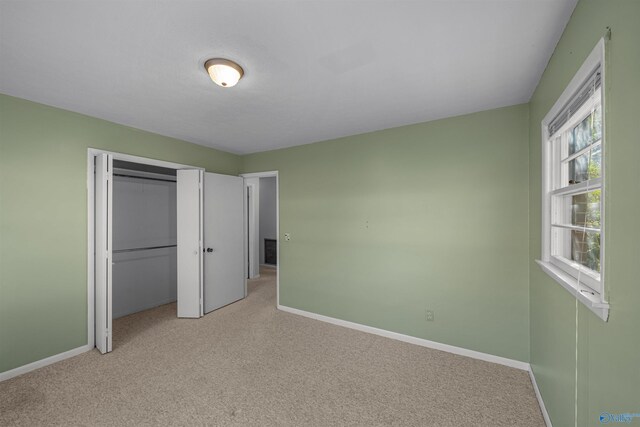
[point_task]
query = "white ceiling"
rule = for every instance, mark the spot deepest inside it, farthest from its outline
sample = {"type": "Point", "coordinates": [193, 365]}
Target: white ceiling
{"type": "Point", "coordinates": [314, 70]}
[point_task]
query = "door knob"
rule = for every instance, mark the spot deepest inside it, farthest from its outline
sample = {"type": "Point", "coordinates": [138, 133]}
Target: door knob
{"type": "Point", "coordinates": [209, 250]}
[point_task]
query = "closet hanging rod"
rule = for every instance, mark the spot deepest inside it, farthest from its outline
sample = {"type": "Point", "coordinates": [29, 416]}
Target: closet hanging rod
{"type": "Point", "coordinates": [143, 249]}
{"type": "Point", "coordinates": [144, 177]}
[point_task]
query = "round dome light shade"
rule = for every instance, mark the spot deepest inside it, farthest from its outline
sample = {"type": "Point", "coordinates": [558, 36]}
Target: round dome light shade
{"type": "Point", "coordinates": [223, 72]}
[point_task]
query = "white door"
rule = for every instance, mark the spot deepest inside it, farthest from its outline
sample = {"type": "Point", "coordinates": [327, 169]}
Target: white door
{"type": "Point", "coordinates": [224, 240]}
{"type": "Point", "coordinates": [189, 220]}
{"type": "Point", "coordinates": [103, 262]}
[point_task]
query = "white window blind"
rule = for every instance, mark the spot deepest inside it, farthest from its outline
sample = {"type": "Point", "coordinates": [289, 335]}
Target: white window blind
{"type": "Point", "coordinates": [586, 91]}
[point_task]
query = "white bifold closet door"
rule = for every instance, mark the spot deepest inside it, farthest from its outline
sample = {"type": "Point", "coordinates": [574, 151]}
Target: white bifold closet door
{"type": "Point", "coordinates": [103, 248]}
{"type": "Point", "coordinates": [224, 238]}
{"type": "Point", "coordinates": [189, 220]}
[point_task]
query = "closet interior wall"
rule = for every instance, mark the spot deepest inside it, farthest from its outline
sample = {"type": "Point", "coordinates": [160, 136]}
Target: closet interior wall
{"type": "Point", "coordinates": [144, 237]}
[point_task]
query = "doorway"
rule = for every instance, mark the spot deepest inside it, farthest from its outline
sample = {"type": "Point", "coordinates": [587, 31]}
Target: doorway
{"type": "Point", "coordinates": [142, 186]}
{"type": "Point", "coordinates": [262, 222]}
{"type": "Point", "coordinates": [169, 232]}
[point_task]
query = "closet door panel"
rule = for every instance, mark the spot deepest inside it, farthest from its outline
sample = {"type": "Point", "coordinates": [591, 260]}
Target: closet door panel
{"type": "Point", "coordinates": [189, 222]}
{"type": "Point", "coordinates": [103, 252]}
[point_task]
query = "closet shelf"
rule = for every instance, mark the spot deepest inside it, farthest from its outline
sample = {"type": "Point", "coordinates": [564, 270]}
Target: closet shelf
{"type": "Point", "coordinates": [143, 249]}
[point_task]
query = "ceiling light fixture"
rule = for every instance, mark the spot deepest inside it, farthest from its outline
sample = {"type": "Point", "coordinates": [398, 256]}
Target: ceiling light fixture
{"type": "Point", "coordinates": [223, 72]}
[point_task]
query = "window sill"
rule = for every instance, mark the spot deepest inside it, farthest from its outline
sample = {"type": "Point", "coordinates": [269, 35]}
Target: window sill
{"type": "Point", "coordinates": [592, 302]}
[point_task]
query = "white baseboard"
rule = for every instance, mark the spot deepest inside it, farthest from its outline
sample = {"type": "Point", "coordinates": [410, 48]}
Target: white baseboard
{"type": "Point", "coordinates": [43, 362]}
{"type": "Point", "coordinates": [543, 408]}
{"type": "Point", "coordinates": [412, 340]}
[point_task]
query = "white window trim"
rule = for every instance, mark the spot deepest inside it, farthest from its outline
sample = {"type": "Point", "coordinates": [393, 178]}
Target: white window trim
{"type": "Point", "coordinates": [596, 302]}
{"type": "Point", "coordinates": [587, 276]}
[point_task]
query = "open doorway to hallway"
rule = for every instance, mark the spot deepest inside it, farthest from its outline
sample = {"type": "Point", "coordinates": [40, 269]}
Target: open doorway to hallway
{"type": "Point", "coordinates": [262, 226]}
{"type": "Point", "coordinates": [263, 288]}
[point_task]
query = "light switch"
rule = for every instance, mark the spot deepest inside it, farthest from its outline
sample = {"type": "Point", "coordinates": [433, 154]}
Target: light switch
{"type": "Point", "coordinates": [287, 237]}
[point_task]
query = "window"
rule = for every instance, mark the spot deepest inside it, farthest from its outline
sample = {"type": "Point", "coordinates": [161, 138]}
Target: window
{"type": "Point", "coordinates": [573, 147]}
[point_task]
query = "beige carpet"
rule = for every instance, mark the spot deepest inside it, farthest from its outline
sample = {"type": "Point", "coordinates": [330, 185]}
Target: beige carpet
{"type": "Point", "coordinates": [249, 364]}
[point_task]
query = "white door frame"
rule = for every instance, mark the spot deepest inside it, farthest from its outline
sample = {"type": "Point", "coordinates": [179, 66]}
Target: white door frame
{"type": "Point", "coordinates": [268, 174]}
{"type": "Point", "coordinates": [252, 216]}
{"type": "Point", "coordinates": [91, 154]}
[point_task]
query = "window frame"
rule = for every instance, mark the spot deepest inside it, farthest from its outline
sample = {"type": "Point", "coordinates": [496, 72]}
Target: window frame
{"type": "Point", "coordinates": [590, 278]}
{"type": "Point", "coordinates": [589, 289]}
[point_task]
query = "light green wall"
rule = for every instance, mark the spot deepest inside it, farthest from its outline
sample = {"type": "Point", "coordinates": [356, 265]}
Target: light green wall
{"type": "Point", "coordinates": [608, 353]}
{"type": "Point", "coordinates": [43, 219]}
{"type": "Point", "coordinates": [434, 215]}
{"type": "Point", "coordinates": [384, 225]}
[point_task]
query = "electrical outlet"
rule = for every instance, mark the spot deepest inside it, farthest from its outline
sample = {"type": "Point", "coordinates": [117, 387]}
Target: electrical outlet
{"type": "Point", "coordinates": [287, 237]}
{"type": "Point", "coordinates": [430, 316]}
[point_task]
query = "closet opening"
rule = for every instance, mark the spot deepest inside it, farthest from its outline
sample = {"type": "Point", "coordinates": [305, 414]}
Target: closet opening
{"type": "Point", "coordinates": [144, 238]}
{"type": "Point", "coordinates": [144, 254]}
